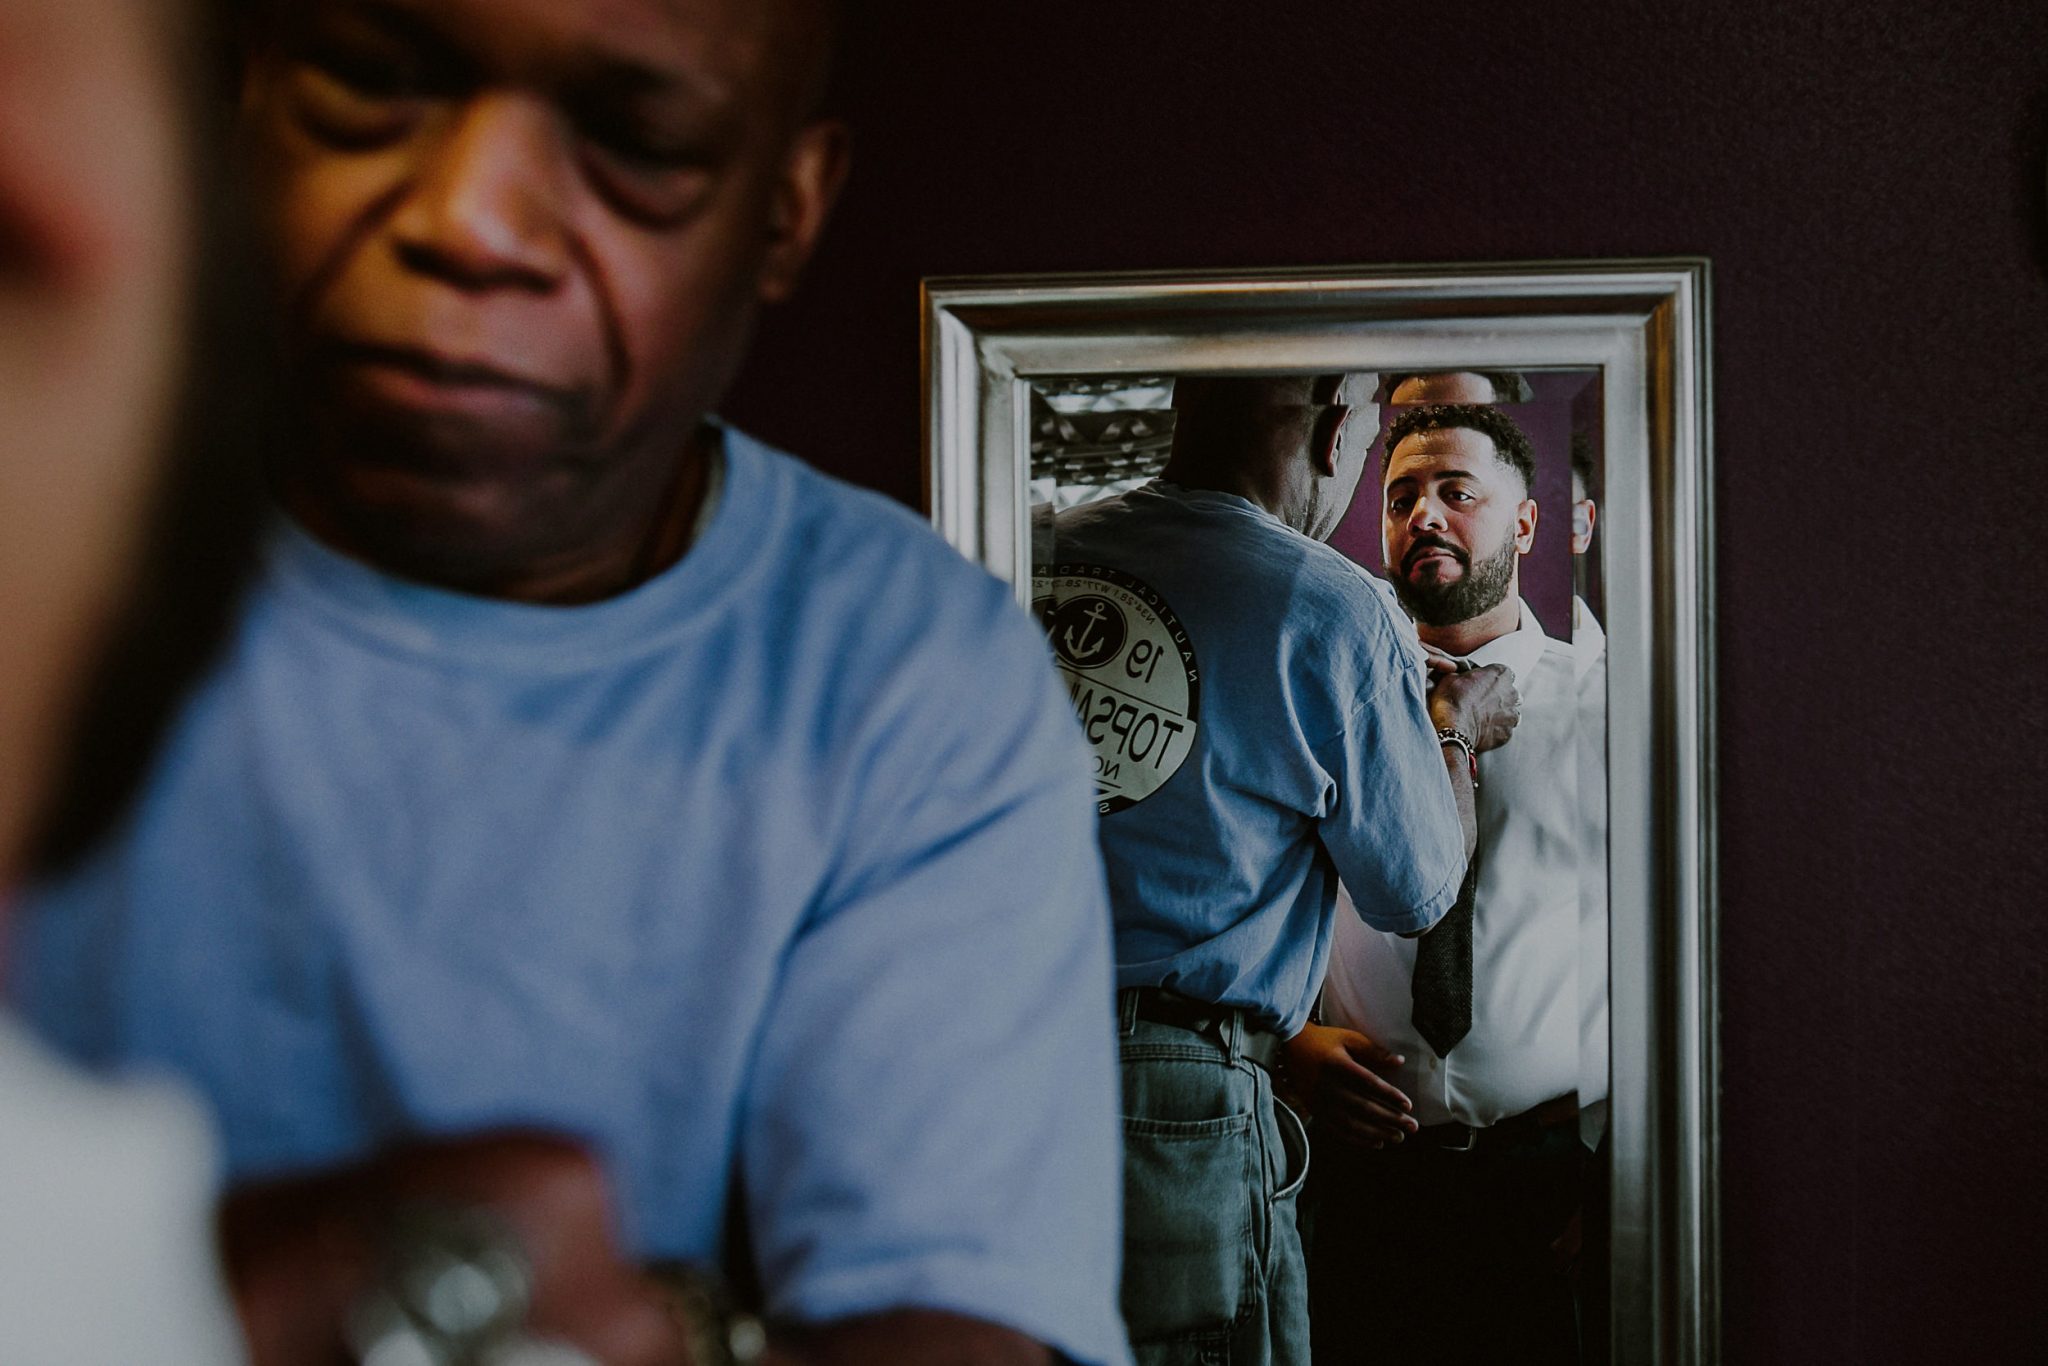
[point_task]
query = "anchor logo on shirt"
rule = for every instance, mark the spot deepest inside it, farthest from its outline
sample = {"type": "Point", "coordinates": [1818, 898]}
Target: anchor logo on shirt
{"type": "Point", "coordinates": [1087, 642]}
{"type": "Point", "coordinates": [1087, 631]}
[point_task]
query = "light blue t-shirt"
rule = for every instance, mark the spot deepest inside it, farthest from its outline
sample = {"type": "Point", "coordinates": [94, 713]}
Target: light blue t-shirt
{"type": "Point", "coordinates": [786, 858]}
{"type": "Point", "coordinates": [1256, 705]}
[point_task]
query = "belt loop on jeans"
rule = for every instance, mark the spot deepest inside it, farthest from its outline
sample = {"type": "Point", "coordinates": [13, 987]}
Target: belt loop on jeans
{"type": "Point", "coordinates": [1225, 1026]}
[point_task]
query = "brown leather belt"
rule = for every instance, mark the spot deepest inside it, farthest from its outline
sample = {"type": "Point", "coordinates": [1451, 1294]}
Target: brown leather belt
{"type": "Point", "coordinates": [1160, 1006]}
{"type": "Point", "coordinates": [1504, 1133]}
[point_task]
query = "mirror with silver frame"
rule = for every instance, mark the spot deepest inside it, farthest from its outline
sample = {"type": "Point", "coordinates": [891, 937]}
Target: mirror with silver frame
{"type": "Point", "coordinates": [1592, 972]}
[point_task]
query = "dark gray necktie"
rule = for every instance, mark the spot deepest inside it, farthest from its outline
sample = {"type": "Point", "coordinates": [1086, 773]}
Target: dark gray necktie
{"type": "Point", "coordinates": [1442, 983]}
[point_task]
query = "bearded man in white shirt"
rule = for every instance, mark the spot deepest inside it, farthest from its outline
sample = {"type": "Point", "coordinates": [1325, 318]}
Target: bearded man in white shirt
{"type": "Point", "coordinates": [1467, 1202]}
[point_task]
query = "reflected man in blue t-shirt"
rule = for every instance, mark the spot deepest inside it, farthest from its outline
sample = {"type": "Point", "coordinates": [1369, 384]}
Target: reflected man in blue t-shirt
{"type": "Point", "coordinates": [1262, 729]}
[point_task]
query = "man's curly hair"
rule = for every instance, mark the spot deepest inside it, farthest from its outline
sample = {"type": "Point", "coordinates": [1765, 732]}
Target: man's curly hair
{"type": "Point", "coordinates": [1510, 443]}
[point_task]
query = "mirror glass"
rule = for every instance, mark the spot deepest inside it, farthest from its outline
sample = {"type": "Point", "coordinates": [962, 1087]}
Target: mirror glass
{"type": "Point", "coordinates": [1521, 1219]}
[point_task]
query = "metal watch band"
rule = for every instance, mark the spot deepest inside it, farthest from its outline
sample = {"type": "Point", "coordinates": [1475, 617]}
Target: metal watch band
{"type": "Point", "coordinates": [717, 1331]}
{"type": "Point", "coordinates": [1451, 735]}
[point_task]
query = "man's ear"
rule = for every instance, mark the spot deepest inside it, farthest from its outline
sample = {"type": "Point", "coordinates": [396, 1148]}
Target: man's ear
{"type": "Point", "coordinates": [1525, 526]}
{"type": "Point", "coordinates": [812, 174]}
{"type": "Point", "coordinates": [1583, 541]}
{"type": "Point", "coordinates": [1325, 438]}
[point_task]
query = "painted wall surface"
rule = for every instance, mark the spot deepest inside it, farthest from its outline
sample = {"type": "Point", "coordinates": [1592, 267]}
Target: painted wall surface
{"type": "Point", "coordinates": [1867, 176]}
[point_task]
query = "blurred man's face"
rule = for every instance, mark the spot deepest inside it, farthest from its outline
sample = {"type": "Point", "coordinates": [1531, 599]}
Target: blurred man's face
{"type": "Point", "coordinates": [93, 242]}
{"type": "Point", "coordinates": [1457, 522]}
{"type": "Point", "coordinates": [523, 243]}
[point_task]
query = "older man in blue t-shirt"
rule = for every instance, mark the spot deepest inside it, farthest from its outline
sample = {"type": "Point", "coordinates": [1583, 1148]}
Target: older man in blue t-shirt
{"type": "Point", "coordinates": [582, 764]}
{"type": "Point", "coordinates": [1261, 728]}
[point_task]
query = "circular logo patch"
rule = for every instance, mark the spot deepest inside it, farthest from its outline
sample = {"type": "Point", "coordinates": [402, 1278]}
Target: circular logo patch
{"type": "Point", "coordinates": [1087, 632]}
{"type": "Point", "coordinates": [1130, 670]}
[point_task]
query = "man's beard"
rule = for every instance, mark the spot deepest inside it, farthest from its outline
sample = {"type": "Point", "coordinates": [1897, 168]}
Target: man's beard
{"type": "Point", "coordinates": [1478, 590]}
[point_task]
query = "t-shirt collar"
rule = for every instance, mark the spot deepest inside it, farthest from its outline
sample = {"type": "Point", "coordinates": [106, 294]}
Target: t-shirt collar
{"type": "Point", "coordinates": [1181, 493]}
{"type": "Point", "coordinates": [742, 507]}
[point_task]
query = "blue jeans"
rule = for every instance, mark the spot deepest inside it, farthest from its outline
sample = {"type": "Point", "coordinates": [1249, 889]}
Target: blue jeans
{"type": "Point", "coordinates": [1213, 1166]}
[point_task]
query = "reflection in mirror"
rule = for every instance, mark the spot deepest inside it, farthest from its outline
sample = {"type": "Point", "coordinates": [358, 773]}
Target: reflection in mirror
{"type": "Point", "coordinates": [1093, 438]}
{"type": "Point", "coordinates": [1479, 1222]}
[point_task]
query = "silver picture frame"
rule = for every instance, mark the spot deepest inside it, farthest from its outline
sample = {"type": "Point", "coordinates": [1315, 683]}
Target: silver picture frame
{"type": "Point", "coordinates": [1645, 325]}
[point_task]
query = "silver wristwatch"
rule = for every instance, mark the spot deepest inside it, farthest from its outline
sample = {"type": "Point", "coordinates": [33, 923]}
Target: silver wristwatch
{"type": "Point", "coordinates": [716, 1330]}
{"type": "Point", "coordinates": [454, 1291]}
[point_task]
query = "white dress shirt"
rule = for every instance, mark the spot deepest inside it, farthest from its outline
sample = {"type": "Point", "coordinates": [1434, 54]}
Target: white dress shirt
{"type": "Point", "coordinates": [1531, 1011]}
{"type": "Point", "coordinates": [1587, 637]}
{"type": "Point", "coordinates": [106, 1221]}
{"type": "Point", "coordinates": [1589, 645]}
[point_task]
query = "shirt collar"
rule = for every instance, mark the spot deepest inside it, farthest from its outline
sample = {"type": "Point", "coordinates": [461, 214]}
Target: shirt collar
{"type": "Point", "coordinates": [1588, 638]}
{"type": "Point", "coordinates": [1519, 649]}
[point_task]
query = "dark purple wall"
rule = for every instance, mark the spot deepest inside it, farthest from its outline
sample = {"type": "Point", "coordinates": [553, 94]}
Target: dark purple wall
{"type": "Point", "coordinates": [1867, 177]}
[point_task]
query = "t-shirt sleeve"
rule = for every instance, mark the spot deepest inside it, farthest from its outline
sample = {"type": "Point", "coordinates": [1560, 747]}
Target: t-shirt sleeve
{"type": "Point", "coordinates": [1392, 827]}
{"type": "Point", "coordinates": [932, 1117]}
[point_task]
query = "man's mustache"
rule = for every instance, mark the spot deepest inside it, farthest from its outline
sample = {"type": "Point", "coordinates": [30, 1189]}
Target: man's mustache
{"type": "Point", "coordinates": [1429, 540]}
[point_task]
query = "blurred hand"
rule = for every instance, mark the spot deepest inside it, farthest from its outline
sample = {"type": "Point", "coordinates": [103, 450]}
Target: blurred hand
{"type": "Point", "coordinates": [1335, 1073]}
{"type": "Point", "coordinates": [1480, 701]}
{"type": "Point", "coordinates": [301, 1253]}
{"type": "Point", "coordinates": [1567, 1247]}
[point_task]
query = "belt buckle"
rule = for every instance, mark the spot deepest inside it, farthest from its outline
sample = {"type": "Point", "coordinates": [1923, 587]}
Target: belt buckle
{"type": "Point", "coordinates": [1470, 1137]}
